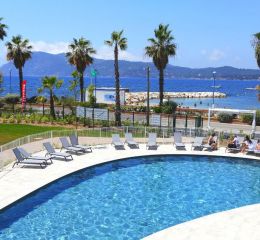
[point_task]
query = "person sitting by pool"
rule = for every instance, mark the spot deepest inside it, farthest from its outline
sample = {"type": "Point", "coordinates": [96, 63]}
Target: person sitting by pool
{"type": "Point", "coordinates": [234, 143]}
{"type": "Point", "coordinates": [257, 147]}
{"type": "Point", "coordinates": [212, 141]}
{"type": "Point", "coordinates": [247, 144]}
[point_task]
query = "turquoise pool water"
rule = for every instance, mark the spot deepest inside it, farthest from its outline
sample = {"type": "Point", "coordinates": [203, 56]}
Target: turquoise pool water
{"type": "Point", "coordinates": [133, 198]}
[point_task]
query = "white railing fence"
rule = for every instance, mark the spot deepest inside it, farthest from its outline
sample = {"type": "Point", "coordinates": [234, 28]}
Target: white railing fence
{"type": "Point", "coordinates": [163, 133]}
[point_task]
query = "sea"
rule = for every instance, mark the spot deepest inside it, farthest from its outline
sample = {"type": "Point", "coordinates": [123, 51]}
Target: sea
{"type": "Point", "coordinates": [240, 93]}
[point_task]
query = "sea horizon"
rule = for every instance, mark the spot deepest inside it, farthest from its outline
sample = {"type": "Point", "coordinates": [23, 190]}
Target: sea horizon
{"type": "Point", "coordinates": [239, 92]}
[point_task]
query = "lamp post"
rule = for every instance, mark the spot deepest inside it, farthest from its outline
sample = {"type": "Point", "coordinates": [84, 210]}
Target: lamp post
{"type": "Point", "coordinates": [148, 97]}
{"type": "Point", "coordinates": [94, 74]}
{"type": "Point", "coordinates": [214, 79]}
{"type": "Point", "coordinates": [10, 80]}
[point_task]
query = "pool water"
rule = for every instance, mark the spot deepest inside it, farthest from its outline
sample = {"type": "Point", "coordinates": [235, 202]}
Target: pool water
{"type": "Point", "coordinates": [133, 198]}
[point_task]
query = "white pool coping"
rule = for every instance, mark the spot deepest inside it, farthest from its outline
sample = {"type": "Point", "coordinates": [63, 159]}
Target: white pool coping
{"type": "Point", "coordinates": [17, 182]}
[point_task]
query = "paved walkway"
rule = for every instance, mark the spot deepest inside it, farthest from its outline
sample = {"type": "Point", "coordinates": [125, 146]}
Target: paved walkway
{"type": "Point", "coordinates": [18, 182]}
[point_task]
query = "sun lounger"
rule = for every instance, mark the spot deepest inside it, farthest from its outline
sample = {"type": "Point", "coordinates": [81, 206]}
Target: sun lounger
{"type": "Point", "coordinates": [197, 143]}
{"type": "Point", "coordinates": [21, 160]}
{"type": "Point", "coordinates": [75, 143]}
{"type": "Point", "coordinates": [117, 142]}
{"type": "Point", "coordinates": [51, 152]}
{"type": "Point", "coordinates": [68, 147]}
{"type": "Point", "coordinates": [151, 142]}
{"type": "Point", "coordinates": [238, 148]}
{"type": "Point", "coordinates": [130, 141]}
{"type": "Point", "coordinates": [27, 155]}
{"type": "Point", "coordinates": [178, 141]}
{"type": "Point", "coordinates": [209, 147]}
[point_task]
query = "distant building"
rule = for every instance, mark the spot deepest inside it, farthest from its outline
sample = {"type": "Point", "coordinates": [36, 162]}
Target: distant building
{"type": "Point", "coordinates": [108, 95]}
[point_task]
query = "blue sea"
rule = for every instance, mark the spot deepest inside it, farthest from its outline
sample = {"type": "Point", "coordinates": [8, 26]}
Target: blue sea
{"type": "Point", "coordinates": [239, 94]}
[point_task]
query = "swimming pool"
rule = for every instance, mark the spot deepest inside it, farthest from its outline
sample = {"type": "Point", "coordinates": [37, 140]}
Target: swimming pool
{"type": "Point", "coordinates": [130, 199]}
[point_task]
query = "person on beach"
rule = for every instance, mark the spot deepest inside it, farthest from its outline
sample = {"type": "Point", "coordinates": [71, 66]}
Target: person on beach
{"type": "Point", "coordinates": [247, 144]}
{"type": "Point", "coordinates": [233, 143]}
{"type": "Point", "coordinates": [212, 141]}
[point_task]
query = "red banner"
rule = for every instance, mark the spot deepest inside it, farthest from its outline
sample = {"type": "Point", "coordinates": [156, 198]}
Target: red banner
{"type": "Point", "coordinates": [23, 94]}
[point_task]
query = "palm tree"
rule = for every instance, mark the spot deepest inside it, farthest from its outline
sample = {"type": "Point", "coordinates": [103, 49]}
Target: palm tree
{"type": "Point", "coordinates": [160, 49]}
{"type": "Point", "coordinates": [19, 51]}
{"type": "Point", "coordinates": [74, 83]}
{"type": "Point", "coordinates": [79, 56]}
{"type": "Point", "coordinates": [256, 45]}
{"type": "Point", "coordinates": [42, 100]}
{"type": "Point", "coordinates": [3, 28]}
{"type": "Point", "coordinates": [118, 42]}
{"type": "Point", "coordinates": [51, 83]}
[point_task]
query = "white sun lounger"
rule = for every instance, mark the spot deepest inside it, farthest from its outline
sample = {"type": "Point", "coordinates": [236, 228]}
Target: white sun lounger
{"type": "Point", "coordinates": [197, 143]}
{"type": "Point", "coordinates": [21, 160]}
{"type": "Point", "coordinates": [151, 142]}
{"type": "Point", "coordinates": [75, 143]}
{"type": "Point", "coordinates": [68, 147]}
{"type": "Point", "coordinates": [130, 141]}
{"type": "Point", "coordinates": [117, 142]}
{"type": "Point", "coordinates": [51, 152]}
{"type": "Point", "coordinates": [27, 155]}
{"type": "Point", "coordinates": [178, 141]}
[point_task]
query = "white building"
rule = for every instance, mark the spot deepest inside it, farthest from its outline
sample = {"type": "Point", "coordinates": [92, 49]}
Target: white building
{"type": "Point", "coordinates": [108, 95]}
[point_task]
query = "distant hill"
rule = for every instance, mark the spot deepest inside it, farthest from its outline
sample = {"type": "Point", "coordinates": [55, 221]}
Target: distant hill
{"type": "Point", "coordinates": [43, 64]}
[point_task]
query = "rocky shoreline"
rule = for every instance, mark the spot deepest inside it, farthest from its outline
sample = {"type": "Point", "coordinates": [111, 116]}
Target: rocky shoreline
{"type": "Point", "coordinates": [137, 98]}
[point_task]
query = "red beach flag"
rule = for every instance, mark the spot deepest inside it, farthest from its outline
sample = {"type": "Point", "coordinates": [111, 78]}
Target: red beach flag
{"type": "Point", "coordinates": [23, 94]}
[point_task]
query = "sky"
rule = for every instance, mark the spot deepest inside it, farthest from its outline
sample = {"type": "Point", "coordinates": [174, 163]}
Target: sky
{"type": "Point", "coordinates": [207, 33]}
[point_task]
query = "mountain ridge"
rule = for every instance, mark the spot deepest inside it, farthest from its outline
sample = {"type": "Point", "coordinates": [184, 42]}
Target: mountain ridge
{"type": "Point", "coordinates": [43, 63]}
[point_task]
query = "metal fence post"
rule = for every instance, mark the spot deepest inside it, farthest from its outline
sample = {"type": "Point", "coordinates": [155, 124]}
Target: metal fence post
{"type": "Point", "coordinates": [163, 136]}
{"type": "Point", "coordinates": [51, 138]}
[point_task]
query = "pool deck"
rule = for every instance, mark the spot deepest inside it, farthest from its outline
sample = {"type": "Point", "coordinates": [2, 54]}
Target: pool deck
{"type": "Point", "coordinates": [241, 223]}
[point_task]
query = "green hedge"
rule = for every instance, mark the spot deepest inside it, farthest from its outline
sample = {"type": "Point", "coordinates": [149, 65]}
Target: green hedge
{"type": "Point", "coordinates": [248, 118]}
{"type": "Point", "coordinates": [225, 117]}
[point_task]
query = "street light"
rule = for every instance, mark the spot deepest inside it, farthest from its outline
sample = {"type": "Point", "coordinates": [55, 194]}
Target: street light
{"type": "Point", "coordinates": [148, 97]}
{"type": "Point", "coordinates": [214, 79]}
{"type": "Point", "coordinates": [94, 74]}
{"type": "Point", "coordinates": [10, 80]}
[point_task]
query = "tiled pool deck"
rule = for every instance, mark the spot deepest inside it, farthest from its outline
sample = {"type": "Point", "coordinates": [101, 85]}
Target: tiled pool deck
{"type": "Point", "coordinates": [241, 223]}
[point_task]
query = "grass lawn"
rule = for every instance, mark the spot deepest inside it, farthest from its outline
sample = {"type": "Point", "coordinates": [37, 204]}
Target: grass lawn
{"type": "Point", "coordinates": [10, 132]}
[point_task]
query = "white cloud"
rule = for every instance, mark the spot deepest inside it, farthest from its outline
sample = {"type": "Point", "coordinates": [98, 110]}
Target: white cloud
{"type": "Point", "coordinates": [54, 48]}
{"type": "Point", "coordinates": [105, 52]}
{"type": "Point", "coordinates": [216, 55]}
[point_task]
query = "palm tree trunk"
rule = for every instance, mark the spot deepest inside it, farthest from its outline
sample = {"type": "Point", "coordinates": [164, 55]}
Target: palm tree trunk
{"type": "Point", "coordinates": [81, 83]}
{"type": "Point", "coordinates": [161, 85]}
{"type": "Point", "coordinates": [20, 79]}
{"type": "Point", "coordinates": [52, 110]}
{"type": "Point", "coordinates": [117, 85]}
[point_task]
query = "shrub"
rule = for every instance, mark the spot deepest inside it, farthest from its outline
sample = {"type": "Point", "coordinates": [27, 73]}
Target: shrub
{"type": "Point", "coordinates": [11, 99]}
{"type": "Point", "coordinates": [18, 118]}
{"type": "Point", "coordinates": [2, 102]}
{"type": "Point", "coordinates": [157, 109]}
{"type": "Point", "coordinates": [225, 117]}
{"type": "Point", "coordinates": [247, 118]}
{"type": "Point", "coordinates": [12, 119]}
{"type": "Point", "coordinates": [169, 107]}
{"type": "Point", "coordinates": [45, 119]}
